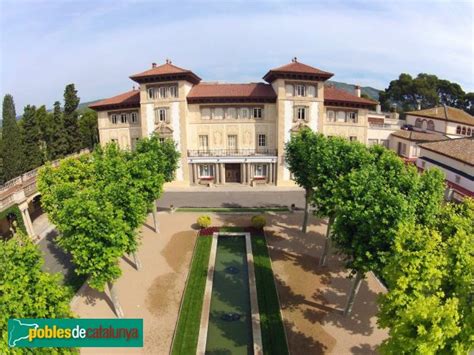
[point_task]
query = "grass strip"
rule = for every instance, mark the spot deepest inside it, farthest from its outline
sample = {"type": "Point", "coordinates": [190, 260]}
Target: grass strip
{"type": "Point", "coordinates": [273, 333]}
{"type": "Point", "coordinates": [187, 332]}
{"type": "Point", "coordinates": [232, 209]}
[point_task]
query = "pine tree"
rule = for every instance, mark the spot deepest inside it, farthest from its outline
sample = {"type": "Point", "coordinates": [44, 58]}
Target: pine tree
{"type": "Point", "coordinates": [31, 140]}
{"type": "Point", "coordinates": [44, 120]}
{"type": "Point", "coordinates": [11, 152]}
{"type": "Point", "coordinates": [71, 125]}
{"type": "Point", "coordinates": [59, 143]}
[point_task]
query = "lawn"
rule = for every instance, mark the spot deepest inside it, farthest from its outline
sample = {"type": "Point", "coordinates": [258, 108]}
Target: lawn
{"type": "Point", "coordinates": [187, 332]}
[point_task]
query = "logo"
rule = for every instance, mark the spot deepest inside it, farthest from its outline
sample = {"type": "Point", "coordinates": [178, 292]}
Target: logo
{"type": "Point", "coordinates": [69, 332]}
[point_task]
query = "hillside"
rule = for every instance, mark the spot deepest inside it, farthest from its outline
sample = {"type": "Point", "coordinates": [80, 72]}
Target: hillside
{"type": "Point", "coordinates": [369, 91]}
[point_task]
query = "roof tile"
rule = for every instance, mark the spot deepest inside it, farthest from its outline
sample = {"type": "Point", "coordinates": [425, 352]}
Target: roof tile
{"type": "Point", "coordinates": [460, 149]}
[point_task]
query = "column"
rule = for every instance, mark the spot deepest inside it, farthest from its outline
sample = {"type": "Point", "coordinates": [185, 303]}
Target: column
{"type": "Point", "coordinates": [195, 173]}
{"type": "Point", "coordinates": [270, 173]}
{"type": "Point", "coordinates": [222, 173]}
{"type": "Point", "coordinates": [217, 173]}
{"type": "Point", "coordinates": [26, 219]}
{"type": "Point", "coordinates": [242, 173]}
{"type": "Point", "coordinates": [275, 170]}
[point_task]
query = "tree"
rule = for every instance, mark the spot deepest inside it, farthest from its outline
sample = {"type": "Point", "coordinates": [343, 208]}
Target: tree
{"type": "Point", "coordinates": [12, 152]}
{"type": "Point", "coordinates": [32, 156]}
{"type": "Point", "coordinates": [428, 308]}
{"type": "Point", "coordinates": [427, 90]}
{"type": "Point", "coordinates": [337, 159]}
{"type": "Point", "coordinates": [91, 228]}
{"type": "Point", "coordinates": [45, 123]}
{"type": "Point", "coordinates": [299, 152]}
{"type": "Point", "coordinates": [373, 201]}
{"type": "Point", "coordinates": [88, 129]}
{"type": "Point", "coordinates": [71, 125]}
{"type": "Point", "coordinates": [59, 144]}
{"type": "Point", "coordinates": [155, 159]}
{"type": "Point", "coordinates": [25, 290]}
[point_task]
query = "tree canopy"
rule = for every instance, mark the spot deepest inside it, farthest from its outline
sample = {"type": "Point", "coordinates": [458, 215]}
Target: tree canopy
{"type": "Point", "coordinates": [426, 89]}
{"type": "Point", "coordinates": [430, 278]}
{"type": "Point", "coordinates": [25, 290]}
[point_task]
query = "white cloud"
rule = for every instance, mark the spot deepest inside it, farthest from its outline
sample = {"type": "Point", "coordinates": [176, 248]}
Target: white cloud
{"type": "Point", "coordinates": [366, 43]}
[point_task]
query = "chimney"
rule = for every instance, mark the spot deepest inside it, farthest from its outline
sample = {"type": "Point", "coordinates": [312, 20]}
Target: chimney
{"type": "Point", "coordinates": [153, 65]}
{"type": "Point", "coordinates": [357, 90]}
{"type": "Point", "coordinates": [378, 108]}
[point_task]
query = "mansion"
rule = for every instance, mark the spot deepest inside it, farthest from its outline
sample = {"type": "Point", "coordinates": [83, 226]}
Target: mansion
{"type": "Point", "coordinates": [236, 133]}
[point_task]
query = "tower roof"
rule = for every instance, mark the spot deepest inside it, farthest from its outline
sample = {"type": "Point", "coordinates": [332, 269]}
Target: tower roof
{"type": "Point", "coordinates": [165, 72]}
{"type": "Point", "coordinates": [297, 70]}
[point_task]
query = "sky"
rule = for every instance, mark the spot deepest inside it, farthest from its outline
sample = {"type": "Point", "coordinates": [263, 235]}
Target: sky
{"type": "Point", "coordinates": [97, 45]}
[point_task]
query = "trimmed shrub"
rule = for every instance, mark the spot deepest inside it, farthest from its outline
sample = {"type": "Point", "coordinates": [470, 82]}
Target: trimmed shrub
{"type": "Point", "coordinates": [204, 221]}
{"type": "Point", "coordinates": [258, 221]}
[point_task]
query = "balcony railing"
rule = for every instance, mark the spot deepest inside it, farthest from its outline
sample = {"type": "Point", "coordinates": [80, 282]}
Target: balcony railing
{"type": "Point", "coordinates": [231, 152]}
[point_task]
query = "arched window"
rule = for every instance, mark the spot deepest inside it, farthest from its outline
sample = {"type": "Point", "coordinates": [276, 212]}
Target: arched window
{"type": "Point", "coordinates": [468, 131]}
{"type": "Point", "coordinates": [463, 131]}
{"type": "Point", "coordinates": [458, 130]}
{"type": "Point", "coordinates": [418, 123]}
{"type": "Point", "coordinates": [431, 126]}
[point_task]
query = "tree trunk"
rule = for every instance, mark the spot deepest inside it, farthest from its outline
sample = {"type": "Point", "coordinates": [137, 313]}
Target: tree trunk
{"type": "Point", "coordinates": [155, 220]}
{"type": "Point", "coordinates": [354, 289]}
{"type": "Point", "coordinates": [306, 210]}
{"type": "Point", "coordinates": [115, 300]}
{"type": "Point", "coordinates": [136, 260]}
{"type": "Point", "coordinates": [327, 243]}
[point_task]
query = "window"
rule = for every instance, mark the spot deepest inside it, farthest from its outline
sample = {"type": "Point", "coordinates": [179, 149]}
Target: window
{"type": "Point", "coordinates": [311, 91]}
{"type": "Point", "coordinates": [257, 112]}
{"type": "Point", "coordinates": [160, 115]}
{"type": "Point", "coordinates": [151, 93]}
{"type": "Point", "coordinates": [373, 142]}
{"type": "Point", "coordinates": [262, 140]}
{"type": "Point", "coordinates": [463, 131]}
{"type": "Point", "coordinates": [206, 170]}
{"type": "Point", "coordinates": [203, 142]}
{"type": "Point", "coordinates": [458, 129]}
{"type": "Point", "coordinates": [114, 140]}
{"type": "Point", "coordinates": [218, 113]}
{"type": "Point", "coordinates": [468, 131]}
{"type": "Point", "coordinates": [260, 170]}
{"type": "Point", "coordinates": [134, 117]}
{"type": "Point", "coordinates": [418, 123]}
{"type": "Point", "coordinates": [402, 148]}
{"type": "Point", "coordinates": [352, 117]}
{"type": "Point", "coordinates": [163, 92]}
{"type": "Point", "coordinates": [431, 126]}
{"type": "Point", "coordinates": [206, 113]}
{"type": "Point", "coordinates": [173, 91]}
{"type": "Point", "coordinates": [353, 138]}
{"type": "Point", "coordinates": [384, 142]}
{"type": "Point", "coordinates": [457, 179]}
{"type": "Point", "coordinates": [161, 140]}
{"type": "Point", "coordinates": [114, 119]}
{"type": "Point", "coordinates": [341, 116]}
{"type": "Point", "coordinates": [300, 90]}
{"type": "Point", "coordinates": [301, 113]}
{"type": "Point", "coordinates": [232, 142]}
{"type": "Point", "coordinates": [330, 116]}
{"type": "Point", "coordinates": [289, 89]}
{"type": "Point", "coordinates": [231, 113]}
{"type": "Point", "coordinates": [123, 118]}
{"type": "Point", "coordinates": [244, 113]}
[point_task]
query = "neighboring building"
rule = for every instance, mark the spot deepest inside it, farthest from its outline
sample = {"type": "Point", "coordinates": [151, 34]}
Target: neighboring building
{"type": "Point", "coordinates": [455, 157]}
{"type": "Point", "coordinates": [406, 142]}
{"type": "Point", "coordinates": [232, 132]}
{"type": "Point", "coordinates": [381, 125]}
{"type": "Point", "coordinates": [453, 122]}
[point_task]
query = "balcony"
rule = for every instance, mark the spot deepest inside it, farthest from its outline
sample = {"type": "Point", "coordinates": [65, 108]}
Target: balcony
{"type": "Point", "coordinates": [232, 152]}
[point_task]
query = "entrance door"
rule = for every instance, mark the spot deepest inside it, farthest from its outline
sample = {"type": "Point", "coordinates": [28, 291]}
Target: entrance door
{"type": "Point", "coordinates": [232, 173]}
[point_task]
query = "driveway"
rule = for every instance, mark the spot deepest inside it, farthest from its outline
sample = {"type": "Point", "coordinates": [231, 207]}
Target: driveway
{"type": "Point", "coordinates": [213, 197]}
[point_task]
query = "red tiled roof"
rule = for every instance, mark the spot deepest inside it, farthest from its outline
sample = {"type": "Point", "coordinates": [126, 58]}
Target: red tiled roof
{"type": "Point", "coordinates": [418, 136]}
{"type": "Point", "coordinates": [127, 99]}
{"type": "Point", "coordinates": [461, 149]}
{"type": "Point", "coordinates": [164, 71]}
{"type": "Point", "coordinates": [241, 92]}
{"type": "Point", "coordinates": [297, 68]}
{"type": "Point", "coordinates": [333, 95]}
{"type": "Point", "coordinates": [446, 113]}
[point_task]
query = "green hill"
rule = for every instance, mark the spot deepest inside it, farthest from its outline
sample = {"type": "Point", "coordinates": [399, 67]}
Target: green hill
{"type": "Point", "coordinates": [369, 91]}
